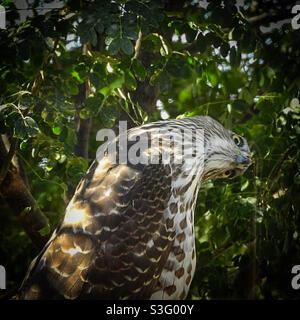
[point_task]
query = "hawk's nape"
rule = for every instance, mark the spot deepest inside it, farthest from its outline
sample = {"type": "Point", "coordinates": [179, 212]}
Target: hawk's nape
{"type": "Point", "coordinates": [128, 232]}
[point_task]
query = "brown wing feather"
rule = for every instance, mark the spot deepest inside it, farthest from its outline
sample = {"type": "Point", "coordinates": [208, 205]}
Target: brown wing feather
{"type": "Point", "coordinates": [113, 242]}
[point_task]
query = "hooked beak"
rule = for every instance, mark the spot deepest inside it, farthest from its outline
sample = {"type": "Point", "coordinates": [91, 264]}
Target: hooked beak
{"type": "Point", "coordinates": [243, 160]}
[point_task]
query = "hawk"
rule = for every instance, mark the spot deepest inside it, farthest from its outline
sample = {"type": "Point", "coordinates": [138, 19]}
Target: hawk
{"type": "Point", "coordinates": [128, 231]}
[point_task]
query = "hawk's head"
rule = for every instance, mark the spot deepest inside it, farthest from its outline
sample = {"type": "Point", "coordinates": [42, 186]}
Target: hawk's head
{"type": "Point", "coordinates": [227, 154]}
{"type": "Point", "coordinates": [208, 150]}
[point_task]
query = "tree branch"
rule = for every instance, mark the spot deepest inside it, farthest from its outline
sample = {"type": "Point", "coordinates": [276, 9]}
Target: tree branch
{"type": "Point", "coordinates": [19, 199]}
{"type": "Point", "coordinates": [8, 159]}
{"type": "Point", "coordinates": [267, 17]}
{"type": "Point", "coordinates": [83, 125]}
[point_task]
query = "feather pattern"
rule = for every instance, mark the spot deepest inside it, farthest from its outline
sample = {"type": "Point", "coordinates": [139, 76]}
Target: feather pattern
{"type": "Point", "coordinates": [128, 232]}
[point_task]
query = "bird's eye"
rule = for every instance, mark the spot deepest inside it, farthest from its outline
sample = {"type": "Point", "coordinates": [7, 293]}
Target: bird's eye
{"type": "Point", "coordinates": [227, 173]}
{"type": "Point", "coordinates": [237, 140]}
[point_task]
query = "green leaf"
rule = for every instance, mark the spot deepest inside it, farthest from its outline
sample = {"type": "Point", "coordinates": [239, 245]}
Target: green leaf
{"type": "Point", "coordinates": [130, 32]}
{"type": "Point", "coordinates": [127, 46]}
{"type": "Point", "coordinates": [12, 118]}
{"type": "Point", "coordinates": [57, 130]}
{"type": "Point", "coordinates": [113, 31]}
{"type": "Point", "coordinates": [26, 102]}
{"type": "Point", "coordinates": [84, 114]}
{"type": "Point", "coordinates": [23, 145]}
{"type": "Point", "coordinates": [105, 91]}
{"type": "Point", "coordinates": [115, 81]}
{"type": "Point", "coordinates": [114, 46]}
{"type": "Point", "coordinates": [109, 114]}
{"type": "Point", "coordinates": [96, 80]}
{"type": "Point", "coordinates": [245, 185]}
{"type": "Point", "coordinates": [165, 49]}
{"type": "Point", "coordinates": [87, 33]}
{"type": "Point", "coordinates": [62, 158]}
{"type": "Point", "coordinates": [297, 129]}
{"type": "Point", "coordinates": [75, 169]}
{"type": "Point", "coordinates": [25, 128]}
{"type": "Point", "coordinates": [130, 81]}
{"type": "Point", "coordinates": [72, 87]}
{"type": "Point", "coordinates": [44, 231]}
{"type": "Point", "coordinates": [93, 103]}
{"type": "Point", "coordinates": [26, 211]}
{"type": "Point", "coordinates": [76, 75]}
{"type": "Point", "coordinates": [210, 38]}
{"type": "Point", "coordinates": [134, 6]}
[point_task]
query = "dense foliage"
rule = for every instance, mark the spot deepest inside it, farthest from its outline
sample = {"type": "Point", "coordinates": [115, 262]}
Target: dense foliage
{"type": "Point", "coordinates": [68, 72]}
